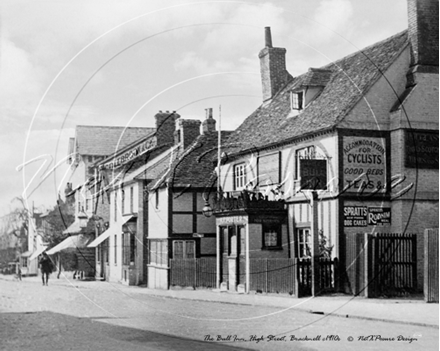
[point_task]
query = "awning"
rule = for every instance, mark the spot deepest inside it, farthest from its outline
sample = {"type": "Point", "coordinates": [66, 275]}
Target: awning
{"type": "Point", "coordinates": [38, 252]}
{"type": "Point", "coordinates": [74, 228]}
{"type": "Point", "coordinates": [26, 254]}
{"type": "Point", "coordinates": [73, 241]}
{"type": "Point", "coordinates": [114, 229]}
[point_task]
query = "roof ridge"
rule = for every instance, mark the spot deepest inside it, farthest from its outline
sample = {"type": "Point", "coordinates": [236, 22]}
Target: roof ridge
{"type": "Point", "coordinates": [109, 127]}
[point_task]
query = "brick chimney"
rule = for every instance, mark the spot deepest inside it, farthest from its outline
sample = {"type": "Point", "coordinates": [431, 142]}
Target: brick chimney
{"type": "Point", "coordinates": [187, 130]}
{"type": "Point", "coordinates": [165, 126]}
{"type": "Point", "coordinates": [208, 125]}
{"type": "Point", "coordinates": [423, 32]}
{"type": "Point", "coordinates": [272, 67]}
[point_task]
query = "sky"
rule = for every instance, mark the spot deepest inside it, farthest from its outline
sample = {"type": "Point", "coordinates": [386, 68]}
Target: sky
{"type": "Point", "coordinates": [117, 63]}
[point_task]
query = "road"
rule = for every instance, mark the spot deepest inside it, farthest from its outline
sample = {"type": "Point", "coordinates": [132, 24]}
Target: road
{"type": "Point", "coordinates": [67, 315]}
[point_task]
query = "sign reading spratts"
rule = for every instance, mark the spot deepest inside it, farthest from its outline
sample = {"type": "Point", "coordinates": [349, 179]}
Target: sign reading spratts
{"type": "Point", "coordinates": [362, 216]}
{"type": "Point", "coordinates": [355, 216]}
{"type": "Point", "coordinates": [313, 174]}
{"type": "Point", "coordinates": [364, 164]}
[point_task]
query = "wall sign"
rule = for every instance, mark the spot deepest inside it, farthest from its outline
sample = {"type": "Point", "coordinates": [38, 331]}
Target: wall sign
{"type": "Point", "coordinates": [362, 216]}
{"type": "Point", "coordinates": [364, 164]}
{"type": "Point", "coordinates": [421, 149]}
{"type": "Point", "coordinates": [379, 215]}
{"type": "Point", "coordinates": [313, 174]}
{"type": "Point", "coordinates": [355, 216]}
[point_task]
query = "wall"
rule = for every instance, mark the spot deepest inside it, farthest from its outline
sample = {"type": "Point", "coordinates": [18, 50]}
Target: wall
{"type": "Point", "coordinates": [158, 217]}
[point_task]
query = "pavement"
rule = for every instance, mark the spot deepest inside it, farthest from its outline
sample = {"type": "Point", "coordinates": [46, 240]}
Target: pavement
{"type": "Point", "coordinates": [411, 310]}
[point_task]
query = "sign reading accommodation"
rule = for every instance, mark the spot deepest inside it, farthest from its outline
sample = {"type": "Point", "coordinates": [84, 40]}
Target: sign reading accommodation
{"type": "Point", "coordinates": [421, 149]}
{"type": "Point", "coordinates": [313, 174]}
{"type": "Point", "coordinates": [364, 164]}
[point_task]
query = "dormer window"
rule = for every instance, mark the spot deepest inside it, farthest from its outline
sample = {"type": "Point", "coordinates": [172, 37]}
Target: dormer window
{"type": "Point", "coordinates": [296, 100]}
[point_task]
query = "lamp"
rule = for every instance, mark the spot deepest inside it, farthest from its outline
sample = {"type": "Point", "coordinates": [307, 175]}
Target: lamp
{"type": "Point", "coordinates": [82, 217]}
{"type": "Point", "coordinates": [207, 209]}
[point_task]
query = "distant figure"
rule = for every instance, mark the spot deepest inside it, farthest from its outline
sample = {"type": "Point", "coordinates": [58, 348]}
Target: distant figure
{"type": "Point", "coordinates": [46, 268]}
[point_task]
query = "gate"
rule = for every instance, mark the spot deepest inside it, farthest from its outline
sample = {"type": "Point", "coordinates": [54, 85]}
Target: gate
{"type": "Point", "coordinates": [431, 273]}
{"type": "Point", "coordinates": [381, 265]}
{"type": "Point", "coordinates": [327, 276]}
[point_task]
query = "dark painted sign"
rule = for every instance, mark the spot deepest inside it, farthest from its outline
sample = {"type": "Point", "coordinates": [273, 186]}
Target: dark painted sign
{"type": "Point", "coordinates": [379, 215]}
{"type": "Point", "coordinates": [421, 149]}
{"type": "Point", "coordinates": [313, 174]}
{"type": "Point", "coordinates": [355, 216]}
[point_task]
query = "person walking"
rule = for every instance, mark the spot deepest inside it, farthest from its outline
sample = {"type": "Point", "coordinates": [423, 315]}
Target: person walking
{"type": "Point", "coordinates": [46, 268]}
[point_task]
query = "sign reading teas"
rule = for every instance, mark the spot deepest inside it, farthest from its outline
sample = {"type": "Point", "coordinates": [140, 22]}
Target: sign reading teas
{"type": "Point", "coordinates": [364, 164]}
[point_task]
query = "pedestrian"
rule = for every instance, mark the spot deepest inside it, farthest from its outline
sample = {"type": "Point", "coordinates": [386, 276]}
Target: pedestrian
{"type": "Point", "coordinates": [46, 268]}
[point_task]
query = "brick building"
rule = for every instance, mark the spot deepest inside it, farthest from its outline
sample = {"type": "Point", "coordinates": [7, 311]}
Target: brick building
{"type": "Point", "coordinates": [372, 117]}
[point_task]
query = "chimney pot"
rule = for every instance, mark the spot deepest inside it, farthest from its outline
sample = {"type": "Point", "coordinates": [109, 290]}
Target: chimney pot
{"type": "Point", "coordinates": [208, 112]}
{"type": "Point", "coordinates": [267, 37]}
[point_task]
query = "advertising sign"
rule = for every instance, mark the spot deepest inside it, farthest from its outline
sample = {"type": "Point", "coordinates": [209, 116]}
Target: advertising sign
{"type": "Point", "coordinates": [355, 216]}
{"type": "Point", "coordinates": [379, 215]}
{"type": "Point", "coordinates": [421, 149]}
{"type": "Point", "coordinates": [313, 174]}
{"type": "Point", "coordinates": [364, 164]}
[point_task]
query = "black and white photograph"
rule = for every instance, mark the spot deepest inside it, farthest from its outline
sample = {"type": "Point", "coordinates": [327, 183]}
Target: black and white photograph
{"type": "Point", "coordinates": [219, 175]}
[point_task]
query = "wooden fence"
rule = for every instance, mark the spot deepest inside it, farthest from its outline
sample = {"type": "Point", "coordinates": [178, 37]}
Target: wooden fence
{"type": "Point", "coordinates": [431, 266]}
{"type": "Point", "coordinates": [327, 276]}
{"type": "Point", "coordinates": [272, 275]}
{"type": "Point", "coordinates": [381, 264]}
{"type": "Point", "coordinates": [197, 273]}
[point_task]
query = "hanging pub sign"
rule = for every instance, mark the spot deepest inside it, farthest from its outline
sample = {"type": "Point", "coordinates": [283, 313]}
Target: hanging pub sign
{"type": "Point", "coordinates": [313, 174]}
{"type": "Point", "coordinates": [364, 164]}
{"type": "Point", "coordinates": [421, 149]}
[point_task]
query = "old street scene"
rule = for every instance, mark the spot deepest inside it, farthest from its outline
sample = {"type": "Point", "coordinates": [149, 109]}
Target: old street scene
{"type": "Point", "coordinates": [178, 204]}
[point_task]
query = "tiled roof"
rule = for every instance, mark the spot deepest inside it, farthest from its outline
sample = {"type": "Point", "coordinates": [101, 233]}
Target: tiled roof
{"type": "Point", "coordinates": [103, 140]}
{"type": "Point", "coordinates": [157, 169]}
{"type": "Point", "coordinates": [195, 167]}
{"type": "Point", "coordinates": [351, 78]}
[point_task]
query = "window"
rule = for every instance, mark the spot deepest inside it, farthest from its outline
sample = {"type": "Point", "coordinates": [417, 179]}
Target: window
{"type": "Point", "coordinates": [157, 199]}
{"type": "Point", "coordinates": [128, 248]}
{"type": "Point", "coordinates": [24, 262]}
{"type": "Point", "coordinates": [106, 250]}
{"type": "Point", "coordinates": [296, 100]}
{"type": "Point", "coordinates": [184, 249]}
{"type": "Point", "coordinates": [88, 205]}
{"type": "Point", "coordinates": [98, 253]}
{"type": "Point", "coordinates": [116, 205]}
{"type": "Point", "coordinates": [303, 236]}
{"type": "Point", "coordinates": [123, 201]}
{"type": "Point", "coordinates": [224, 238]}
{"type": "Point", "coordinates": [242, 240]}
{"type": "Point", "coordinates": [159, 252]}
{"type": "Point", "coordinates": [131, 199]}
{"type": "Point", "coordinates": [116, 249]}
{"type": "Point", "coordinates": [239, 176]}
{"type": "Point", "coordinates": [301, 154]}
{"type": "Point", "coordinates": [272, 236]}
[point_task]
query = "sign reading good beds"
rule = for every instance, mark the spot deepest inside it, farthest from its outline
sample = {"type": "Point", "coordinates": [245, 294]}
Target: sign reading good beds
{"type": "Point", "coordinates": [364, 164]}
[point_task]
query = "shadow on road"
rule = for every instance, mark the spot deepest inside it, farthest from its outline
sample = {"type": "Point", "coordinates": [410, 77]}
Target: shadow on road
{"type": "Point", "coordinates": [53, 331]}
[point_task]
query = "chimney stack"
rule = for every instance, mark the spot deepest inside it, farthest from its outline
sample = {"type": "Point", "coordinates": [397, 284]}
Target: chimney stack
{"type": "Point", "coordinates": [423, 32]}
{"type": "Point", "coordinates": [208, 125]}
{"type": "Point", "coordinates": [272, 67]}
{"type": "Point", "coordinates": [187, 130]}
{"type": "Point", "coordinates": [165, 126]}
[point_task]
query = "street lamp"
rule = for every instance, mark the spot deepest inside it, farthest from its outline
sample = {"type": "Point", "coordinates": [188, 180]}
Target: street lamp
{"type": "Point", "coordinates": [207, 209]}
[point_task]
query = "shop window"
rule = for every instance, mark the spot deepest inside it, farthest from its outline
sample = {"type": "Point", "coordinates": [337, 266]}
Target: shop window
{"type": "Point", "coordinates": [106, 249]}
{"type": "Point", "coordinates": [242, 240]}
{"type": "Point", "coordinates": [131, 199]}
{"type": "Point", "coordinates": [116, 206]}
{"type": "Point", "coordinates": [184, 249]}
{"type": "Point", "coordinates": [303, 239]}
{"type": "Point", "coordinates": [157, 199]}
{"type": "Point", "coordinates": [301, 154]}
{"type": "Point", "coordinates": [123, 201]}
{"type": "Point", "coordinates": [224, 240]}
{"type": "Point", "coordinates": [98, 253]}
{"type": "Point", "coordinates": [272, 236]}
{"type": "Point", "coordinates": [239, 176]}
